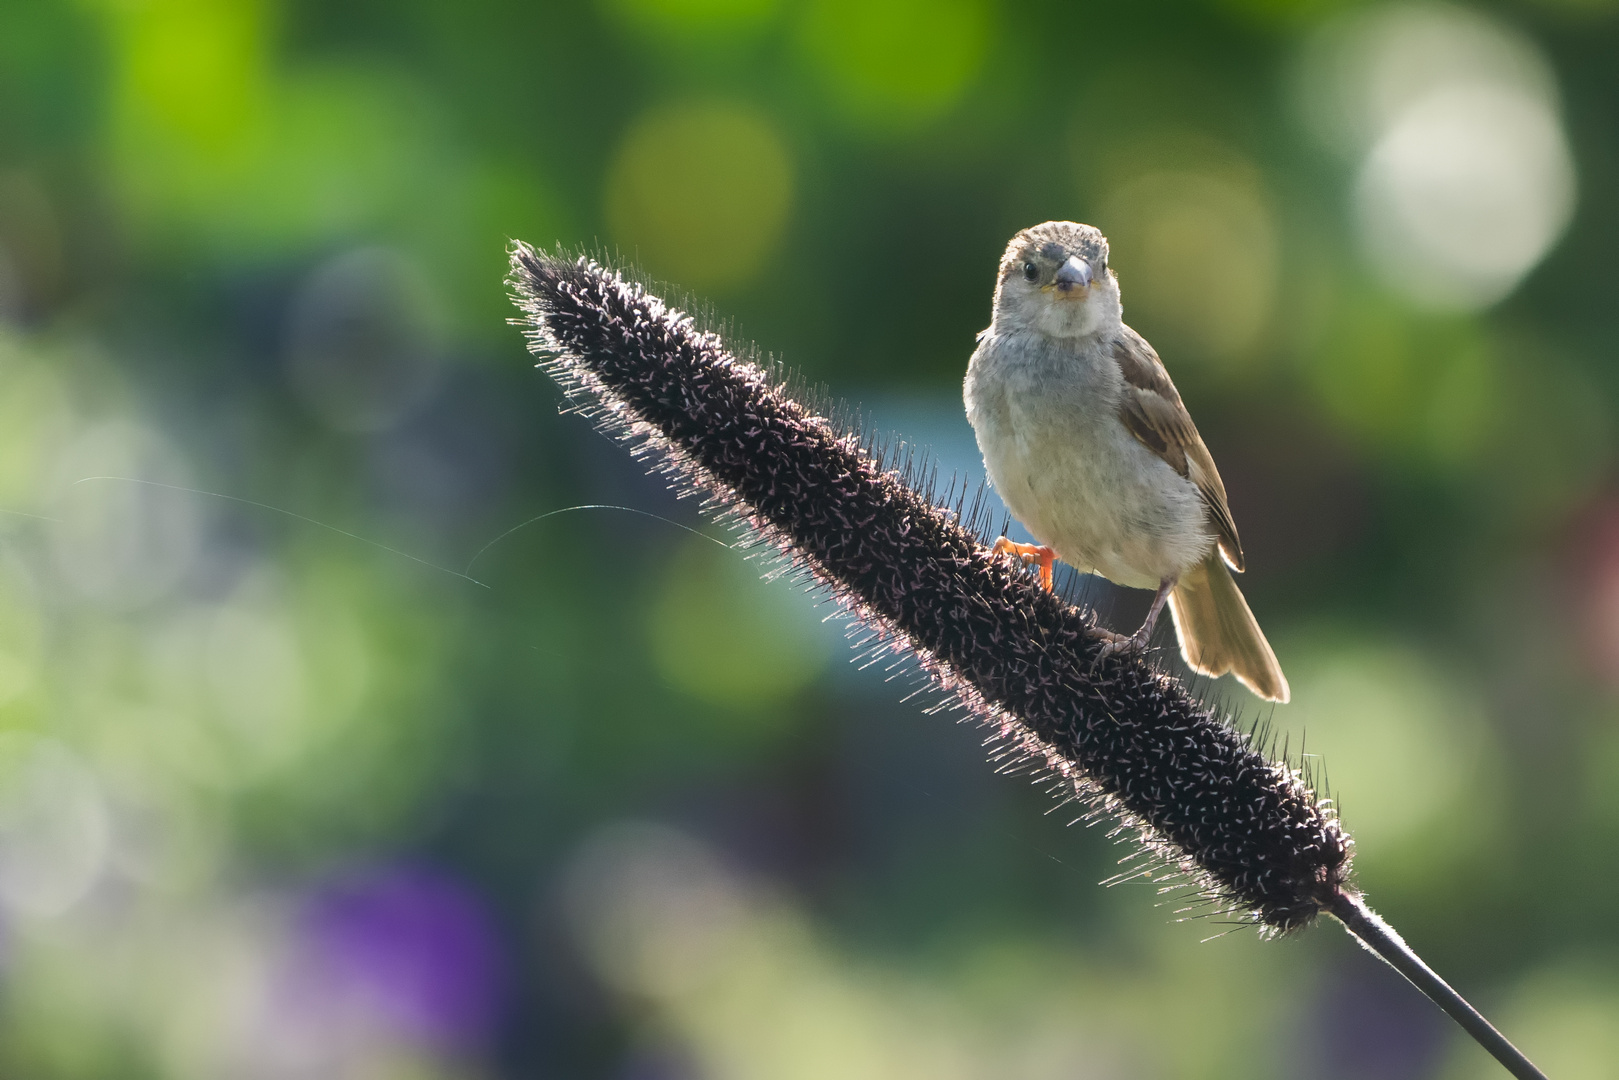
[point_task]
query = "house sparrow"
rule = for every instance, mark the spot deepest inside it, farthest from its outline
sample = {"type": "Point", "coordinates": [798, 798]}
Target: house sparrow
{"type": "Point", "coordinates": [1087, 442]}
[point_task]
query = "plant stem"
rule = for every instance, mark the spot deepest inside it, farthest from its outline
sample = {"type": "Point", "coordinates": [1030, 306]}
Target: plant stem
{"type": "Point", "coordinates": [1379, 937]}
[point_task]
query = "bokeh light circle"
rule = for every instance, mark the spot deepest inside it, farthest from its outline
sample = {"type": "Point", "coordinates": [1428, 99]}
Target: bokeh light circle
{"type": "Point", "coordinates": [363, 339]}
{"type": "Point", "coordinates": [897, 64]}
{"type": "Point", "coordinates": [700, 193]}
{"type": "Point", "coordinates": [720, 634]}
{"type": "Point", "coordinates": [1465, 178]}
{"type": "Point", "coordinates": [126, 528]}
{"type": "Point", "coordinates": [654, 908]}
{"type": "Point", "coordinates": [693, 19]}
{"type": "Point", "coordinates": [55, 831]}
{"type": "Point", "coordinates": [1198, 258]}
{"type": "Point", "coordinates": [1464, 194]}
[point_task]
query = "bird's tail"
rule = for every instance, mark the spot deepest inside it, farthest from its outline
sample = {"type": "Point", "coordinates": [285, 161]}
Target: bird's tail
{"type": "Point", "coordinates": [1219, 634]}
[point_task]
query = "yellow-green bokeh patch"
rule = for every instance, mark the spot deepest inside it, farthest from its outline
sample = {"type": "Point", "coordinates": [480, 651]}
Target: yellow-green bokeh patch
{"type": "Point", "coordinates": [720, 633]}
{"type": "Point", "coordinates": [700, 193]}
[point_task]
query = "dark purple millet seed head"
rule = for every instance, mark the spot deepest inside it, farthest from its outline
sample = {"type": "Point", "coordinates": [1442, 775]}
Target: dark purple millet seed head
{"type": "Point", "coordinates": [1127, 739]}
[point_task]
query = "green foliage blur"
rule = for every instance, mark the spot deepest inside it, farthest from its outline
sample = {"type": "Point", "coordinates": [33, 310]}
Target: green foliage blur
{"type": "Point", "coordinates": [328, 750]}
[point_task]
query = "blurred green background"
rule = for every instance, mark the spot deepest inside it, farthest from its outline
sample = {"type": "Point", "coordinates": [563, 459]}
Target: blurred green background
{"type": "Point", "coordinates": [285, 793]}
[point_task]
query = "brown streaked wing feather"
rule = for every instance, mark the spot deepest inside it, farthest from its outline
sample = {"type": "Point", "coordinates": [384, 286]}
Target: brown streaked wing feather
{"type": "Point", "coordinates": [1151, 409]}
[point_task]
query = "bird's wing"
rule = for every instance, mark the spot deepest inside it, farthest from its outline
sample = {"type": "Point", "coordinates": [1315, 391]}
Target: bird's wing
{"type": "Point", "coordinates": [1152, 411]}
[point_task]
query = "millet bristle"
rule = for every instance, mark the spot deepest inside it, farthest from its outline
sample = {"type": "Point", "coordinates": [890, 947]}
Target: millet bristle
{"type": "Point", "coordinates": [1127, 739]}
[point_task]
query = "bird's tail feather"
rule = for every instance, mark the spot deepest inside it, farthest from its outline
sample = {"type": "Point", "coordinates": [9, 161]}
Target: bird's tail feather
{"type": "Point", "coordinates": [1218, 633]}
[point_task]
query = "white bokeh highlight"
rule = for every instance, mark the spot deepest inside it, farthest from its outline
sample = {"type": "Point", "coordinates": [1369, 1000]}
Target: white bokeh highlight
{"type": "Point", "coordinates": [125, 527]}
{"type": "Point", "coordinates": [1465, 179]}
{"type": "Point", "coordinates": [54, 828]}
{"type": "Point", "coordinates": [1464, 195]}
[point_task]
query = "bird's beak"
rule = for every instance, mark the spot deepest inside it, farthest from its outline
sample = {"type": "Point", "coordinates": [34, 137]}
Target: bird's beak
{"type": "Point", "coordinates": [1073, 277]}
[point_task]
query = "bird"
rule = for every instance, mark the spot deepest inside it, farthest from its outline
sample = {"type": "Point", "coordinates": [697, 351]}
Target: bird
{"type": "Point", "coordinates": [1087, 441]}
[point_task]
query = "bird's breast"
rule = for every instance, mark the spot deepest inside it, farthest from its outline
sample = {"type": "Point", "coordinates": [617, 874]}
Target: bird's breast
{"type": "Point", "coordinates": [1048, 426]}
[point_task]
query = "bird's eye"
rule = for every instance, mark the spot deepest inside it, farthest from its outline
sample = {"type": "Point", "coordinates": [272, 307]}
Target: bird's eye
{"type": "Point", "coordinates": [1031, 272]}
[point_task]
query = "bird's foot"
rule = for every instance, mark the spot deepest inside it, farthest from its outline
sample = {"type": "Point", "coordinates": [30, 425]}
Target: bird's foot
{"type": "Point", "coordinates": [1029, 554]}
{"type": "Point", "coordinates": [1119, 643]}
{"type": "Point", "coordinates": [1136, 642]}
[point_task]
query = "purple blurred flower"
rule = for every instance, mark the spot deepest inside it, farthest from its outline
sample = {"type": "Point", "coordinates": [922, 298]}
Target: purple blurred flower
{"type": "Point", "coordinates": [412, 947]}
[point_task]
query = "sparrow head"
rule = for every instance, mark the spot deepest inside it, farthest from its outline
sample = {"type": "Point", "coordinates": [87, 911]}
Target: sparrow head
{"type": "Point", "coordinates": [1055, 280]}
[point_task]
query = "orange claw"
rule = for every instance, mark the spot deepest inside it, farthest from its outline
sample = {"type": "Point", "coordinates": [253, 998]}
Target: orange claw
{"type": "Point", "coordinates": [1029, 553]}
